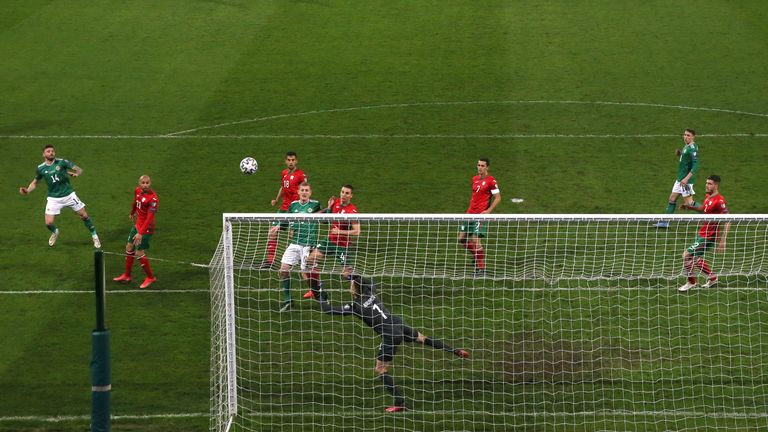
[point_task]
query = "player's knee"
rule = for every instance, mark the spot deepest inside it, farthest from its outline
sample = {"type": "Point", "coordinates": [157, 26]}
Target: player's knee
{"type": "Point", "coordinates": [129, 248]}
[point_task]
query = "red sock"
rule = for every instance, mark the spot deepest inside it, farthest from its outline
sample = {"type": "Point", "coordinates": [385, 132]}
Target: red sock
{"type": "Point", "coordinates": [700, 263]}
{"type": "Point", "coordinates": [479, 258]}
{"type": "Point", "coordinates": [688, 265]}
{"type": "Point", "coordinates": [271, 248]}
{"type": "Point", "coordinates": [314, 278]}
{"type": "Point", "coordinates": [129, 257]}
{"type": "Point", "coordinates": [145, 265]}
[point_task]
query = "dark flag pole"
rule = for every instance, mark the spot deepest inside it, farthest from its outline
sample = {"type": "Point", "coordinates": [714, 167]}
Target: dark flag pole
{"type": "Point", "coordinates": [101, 379]}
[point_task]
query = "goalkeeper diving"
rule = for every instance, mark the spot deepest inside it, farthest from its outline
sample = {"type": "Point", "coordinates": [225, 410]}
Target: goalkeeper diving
{"type": "Point", "coordinates": [392, 328]}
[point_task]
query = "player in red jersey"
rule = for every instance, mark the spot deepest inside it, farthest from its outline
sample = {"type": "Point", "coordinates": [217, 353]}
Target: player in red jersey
{"type": "Point", "coordinates": [290, 179]}
{"type": "Point", "coordinates": [338, 241]}
{"type": "Point", "coordinates": [708, 235]}
{"type": "Point", "coordinates": [145, 205]}
{"type": "Point", "coordinates": [485, 197]}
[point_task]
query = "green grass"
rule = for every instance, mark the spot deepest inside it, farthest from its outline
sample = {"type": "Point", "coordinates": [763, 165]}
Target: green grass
{"type": "Point", "coordinates": [398, 98]}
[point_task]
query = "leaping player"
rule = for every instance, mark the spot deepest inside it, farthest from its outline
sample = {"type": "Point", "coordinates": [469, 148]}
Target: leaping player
{"type": "Point", "coordinates": [290, 179]}
{"type": "Point", "coordinates": [392, 328]}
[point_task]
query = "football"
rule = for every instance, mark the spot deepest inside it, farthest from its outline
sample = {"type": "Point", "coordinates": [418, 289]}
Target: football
{"type": "Point", "coordinates": [249, 165]}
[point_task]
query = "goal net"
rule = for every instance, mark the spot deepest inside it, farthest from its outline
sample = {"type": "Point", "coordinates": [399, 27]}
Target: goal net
{"type": "Point", "coordinates": [574, 322]}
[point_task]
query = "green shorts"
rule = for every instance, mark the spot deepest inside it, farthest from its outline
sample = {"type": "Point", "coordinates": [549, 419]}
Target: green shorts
{"type": "Point", "coordinates": [475, 228]}
{"type": "Point", "coordinates": [145, 239]}
{"type": "Point", "coordinates": [342, 254]}
{"type": "Point", "coordinates": [283, 224]}
{"type": "Point", "coordinates": [700, 246]}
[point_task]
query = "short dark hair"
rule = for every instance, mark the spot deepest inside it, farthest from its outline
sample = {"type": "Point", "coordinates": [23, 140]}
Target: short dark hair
{"type": "Point", "coordinates": [48, 146]}
{"type": "Point", "coordinates": [290, 153]}
{"type": "Point", "coordinates": [486, 160]}
{"type": "Point", "coordinates": [715, 178]}
{"type": "Point", "coordinates": [349, 186]}
{"type": "Point", "coordinates": [693, 132]}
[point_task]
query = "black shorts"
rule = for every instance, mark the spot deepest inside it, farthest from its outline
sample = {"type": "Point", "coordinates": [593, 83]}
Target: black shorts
{"type": "Point", "coordinates": [390, 342]}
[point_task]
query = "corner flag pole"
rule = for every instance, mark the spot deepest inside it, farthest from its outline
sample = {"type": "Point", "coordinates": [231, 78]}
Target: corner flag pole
{"type": "Point", "coordinates": [101, 379]}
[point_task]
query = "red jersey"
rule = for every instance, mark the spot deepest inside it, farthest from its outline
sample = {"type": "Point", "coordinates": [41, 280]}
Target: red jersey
{"type": "Point", "coordinates": [290, 184]}
{"type": "Point", "coordinates": [483, 190]}
{"type": "Point", "coordinates": [712, 205]}
{"type": "Point", "coordinates": [341, 239]}
{"type": "Point", "coordinates": [144, 207]}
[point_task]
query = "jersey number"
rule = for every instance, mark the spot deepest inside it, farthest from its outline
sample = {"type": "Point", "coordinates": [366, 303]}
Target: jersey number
{"type": "Point", "coordinates": [55, 178]}
{"type": "Point", "coordinates": [478, 188]}
{"type": "Point", "coordinates": [286, 184]}
{"type": "Point", "coordinates": [381, 312]}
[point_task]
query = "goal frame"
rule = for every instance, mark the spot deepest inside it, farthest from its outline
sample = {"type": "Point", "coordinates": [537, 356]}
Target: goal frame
{"type": "Point", "coordinates": [229, 268]}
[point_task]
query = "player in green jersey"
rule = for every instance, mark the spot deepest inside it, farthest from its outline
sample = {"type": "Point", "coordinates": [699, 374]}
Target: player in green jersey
{"type": "Point", "coordinates": [303, 239]}
{"type": "Point", "coordinates": [56, 173]}
{"type": "Point", "coordinates": [686, 175]}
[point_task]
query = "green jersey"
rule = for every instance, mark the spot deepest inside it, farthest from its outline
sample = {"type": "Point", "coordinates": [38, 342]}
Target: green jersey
{"type": "Point", "coordinates": [56, 177]}
{"type": "Point", "coordinates": [305, 231]}
{"type": "Point", "coordinates": [689, 162]}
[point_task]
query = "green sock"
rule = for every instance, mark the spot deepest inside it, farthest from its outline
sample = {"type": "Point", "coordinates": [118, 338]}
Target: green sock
{"type": "Point", "coordinates": [52, 228]}
{"type": "Point", "coordinates": [286, 283]}
{"type": "Point", "coordinates": [671, 207]}
{"type": "Point", "coordinates": [89, 224]}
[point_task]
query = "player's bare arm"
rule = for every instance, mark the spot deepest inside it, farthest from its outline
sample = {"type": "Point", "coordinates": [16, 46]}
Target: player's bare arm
{"type": "Point", "coordinates": [277, 200]}
{"type": "Point", "coordinates": [28, 189]}
{"type": "Point", "coordinates": [354, 231]}
{"type": "Point", "coordinates": [494, 203]}
{"type": "Point", "coordinates": [694, 208]}
{"type": "Point", "coordinates": [75, 172]}
{"type": "Point", "coordinates": [723, 236]}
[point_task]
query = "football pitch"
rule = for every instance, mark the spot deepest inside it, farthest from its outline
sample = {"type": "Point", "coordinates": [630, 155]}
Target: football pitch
{"type": "Point", "coordinates": [579, 106]}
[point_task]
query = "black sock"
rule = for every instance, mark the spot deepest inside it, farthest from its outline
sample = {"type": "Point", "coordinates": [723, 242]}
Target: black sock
{"type": "Point", "coordinates": [389, 383]}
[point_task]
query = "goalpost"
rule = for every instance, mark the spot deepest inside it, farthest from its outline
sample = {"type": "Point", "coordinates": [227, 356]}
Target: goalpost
{"type": "Point", "coordinates": [576, 324]}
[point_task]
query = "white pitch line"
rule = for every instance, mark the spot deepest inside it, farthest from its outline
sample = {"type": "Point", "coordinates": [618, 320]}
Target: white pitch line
{"type": "Point", "coordinates": [120, 291]}
{"type": "Point", "coordinates": [669, 413]}
{"type": "Point", "coordinates": [380, 136]}
{"type": "Point", "coordinates": [512, 102]}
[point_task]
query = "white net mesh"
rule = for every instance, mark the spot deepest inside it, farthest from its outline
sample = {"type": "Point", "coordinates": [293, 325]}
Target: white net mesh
{"type": "Point", "coordinates": [576, 324]}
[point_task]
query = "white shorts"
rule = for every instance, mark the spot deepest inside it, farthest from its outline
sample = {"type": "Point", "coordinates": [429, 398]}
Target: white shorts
{"type": "Point", "coordinates": [296, 254]}
{"type": "Point", "coordinates": [54, 205]}
{"type": "Point", "coordinates": [684, 191]}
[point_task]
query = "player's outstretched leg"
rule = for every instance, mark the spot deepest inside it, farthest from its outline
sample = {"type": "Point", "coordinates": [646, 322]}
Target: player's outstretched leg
{"type": "Point", "coordinates": [389, 384]}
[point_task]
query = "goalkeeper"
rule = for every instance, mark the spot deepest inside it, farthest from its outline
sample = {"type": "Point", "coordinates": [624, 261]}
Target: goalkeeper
{"type": "Point", "coordinates": [393, 330]}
